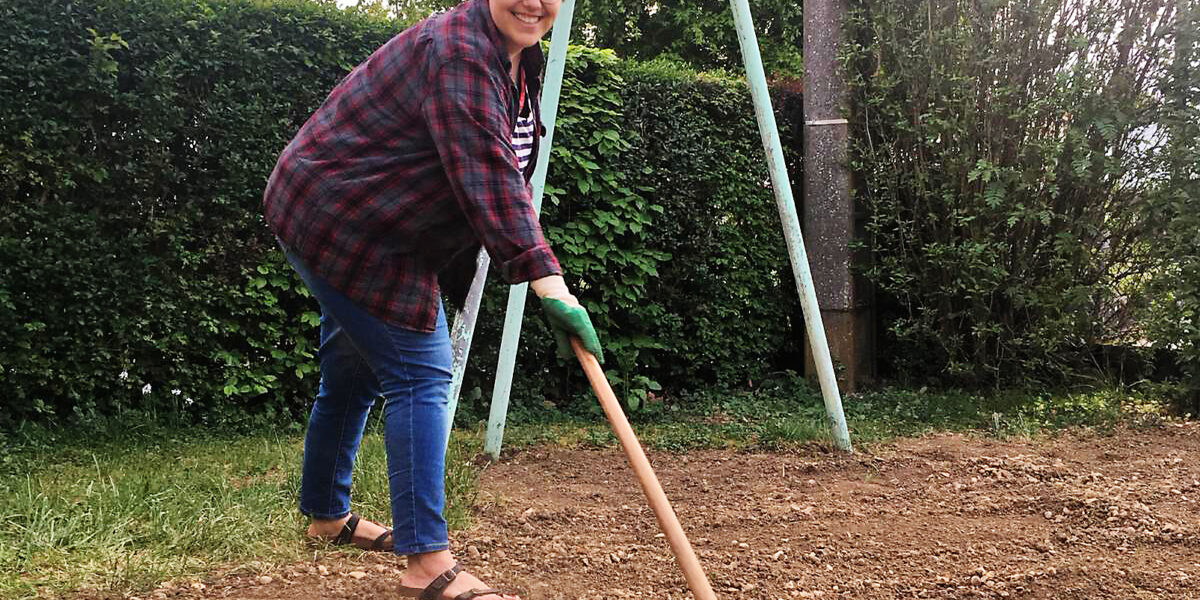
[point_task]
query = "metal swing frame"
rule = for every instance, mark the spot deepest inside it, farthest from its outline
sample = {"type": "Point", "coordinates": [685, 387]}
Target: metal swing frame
{"type": "Point", "coordinates": [464, 324]}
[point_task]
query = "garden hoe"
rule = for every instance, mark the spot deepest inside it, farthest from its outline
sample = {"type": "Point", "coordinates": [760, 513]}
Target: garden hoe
{"type": "Point", "coordinates": [667, 521]}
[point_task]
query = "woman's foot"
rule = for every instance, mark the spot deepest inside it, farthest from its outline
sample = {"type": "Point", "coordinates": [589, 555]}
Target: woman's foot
{"type": "Point", "coordinates": [352, 530]}
{"type": "Point", "coordinates": [424, 568]}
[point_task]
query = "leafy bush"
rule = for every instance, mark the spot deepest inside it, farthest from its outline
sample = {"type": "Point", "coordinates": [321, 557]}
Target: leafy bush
{"type": "Point", "coordinates": [1008, 153]}
{"type": "Point", "coordinates": [656, 206]}
{"type": "Point", "coordinates": [1029, 167]}
{"type": "Point", "coordinates": [698, 32]}
{"type": "Point", "coordinates": [1175, 290]}
{"type": "Point", "coordinates": [136, 273]}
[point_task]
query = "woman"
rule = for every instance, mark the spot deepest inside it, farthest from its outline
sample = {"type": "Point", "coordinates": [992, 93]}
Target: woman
{"type": "Point", "coordinates": [382, 200]}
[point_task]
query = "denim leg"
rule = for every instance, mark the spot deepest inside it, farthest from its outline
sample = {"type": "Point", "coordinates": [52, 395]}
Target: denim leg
{"type": "Point", "coordinates": [415, 404]}
{"type": "Point", "coordinates": [412, 372]}
{"type": "Point", "coordinates": [346, 392]}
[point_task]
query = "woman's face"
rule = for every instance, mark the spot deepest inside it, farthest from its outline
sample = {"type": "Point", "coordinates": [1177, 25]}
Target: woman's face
{"type": "Point", "coordinates": [523, 22]}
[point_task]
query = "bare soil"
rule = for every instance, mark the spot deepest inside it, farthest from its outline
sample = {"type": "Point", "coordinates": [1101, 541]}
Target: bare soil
{"type": "Point", "coordinates": [943, 516]}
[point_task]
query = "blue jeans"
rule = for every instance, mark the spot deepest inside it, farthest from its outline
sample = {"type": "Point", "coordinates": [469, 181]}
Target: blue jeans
{"type": "Point", "coordinates": [363, 358]}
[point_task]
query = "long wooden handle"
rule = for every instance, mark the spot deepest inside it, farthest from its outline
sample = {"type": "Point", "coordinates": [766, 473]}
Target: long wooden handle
{"type": "Point", "coordinates": [667, 521]}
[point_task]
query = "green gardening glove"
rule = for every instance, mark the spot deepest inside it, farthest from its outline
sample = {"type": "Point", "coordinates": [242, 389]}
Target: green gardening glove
{"type": "Point", "coordinates": [567, 321]}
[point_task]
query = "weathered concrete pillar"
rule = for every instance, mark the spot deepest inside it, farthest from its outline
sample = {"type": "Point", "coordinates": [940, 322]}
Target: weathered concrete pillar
{"type": "Point", "coordinates": [830, 221]}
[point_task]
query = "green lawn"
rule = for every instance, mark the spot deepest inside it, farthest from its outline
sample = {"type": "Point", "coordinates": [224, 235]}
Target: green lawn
{"type": "Point", "coordinates": [126, 513]}
{"type": "Point", "coordinates": [788, 415]}
{"type": "Point", "coordinates": [124, 509]}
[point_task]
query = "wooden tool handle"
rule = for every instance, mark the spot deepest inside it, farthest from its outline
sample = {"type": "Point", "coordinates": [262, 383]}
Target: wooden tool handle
{"type": "Point", "coordinates": [667, 521]}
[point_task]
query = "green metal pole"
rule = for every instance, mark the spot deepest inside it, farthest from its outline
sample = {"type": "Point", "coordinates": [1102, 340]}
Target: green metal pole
{"type": "Point", "coordinates": [791, 222]}
{"type": "Point", "coordinates": [555, 67]}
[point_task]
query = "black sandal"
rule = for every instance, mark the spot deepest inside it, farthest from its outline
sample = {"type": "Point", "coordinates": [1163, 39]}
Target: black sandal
{"type": "Point", "coordinates": [346, 537]}
{"type": "Point", "coordinates": [433, 591]}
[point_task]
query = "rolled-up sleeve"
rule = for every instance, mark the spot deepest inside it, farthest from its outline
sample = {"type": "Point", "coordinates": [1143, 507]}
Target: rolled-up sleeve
{"type": "Point", "coordinates": [468, 120]}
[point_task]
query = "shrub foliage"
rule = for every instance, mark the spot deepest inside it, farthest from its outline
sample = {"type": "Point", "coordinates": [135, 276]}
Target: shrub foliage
{"type": "Point", "coordinates": [137, 274]}
{"type": "Point", "coordinates": [1014, 155]}
{"type": "Point", "coordinates": [1029, 170]}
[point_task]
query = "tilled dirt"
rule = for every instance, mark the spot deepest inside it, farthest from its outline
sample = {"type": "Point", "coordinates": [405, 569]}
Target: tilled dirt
{"type": "Point", "coordinates": [944, 516]}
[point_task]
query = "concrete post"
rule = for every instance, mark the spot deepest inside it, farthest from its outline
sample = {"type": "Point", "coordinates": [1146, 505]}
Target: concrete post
{"type": "Point", "coordinates": [831, 222]}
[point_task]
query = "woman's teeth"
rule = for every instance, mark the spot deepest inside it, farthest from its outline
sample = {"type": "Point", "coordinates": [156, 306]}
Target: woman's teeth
{"type": "Point", "coordinates": [530, 19]}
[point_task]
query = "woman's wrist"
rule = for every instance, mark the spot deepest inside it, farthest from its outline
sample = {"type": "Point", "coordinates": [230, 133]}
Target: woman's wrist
{"type": "Point", "coordinates": [552, 286]}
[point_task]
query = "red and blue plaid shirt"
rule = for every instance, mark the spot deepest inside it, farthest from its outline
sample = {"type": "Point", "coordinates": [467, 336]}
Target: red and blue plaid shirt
{"type": "Point", "coordinates": [408, 166]}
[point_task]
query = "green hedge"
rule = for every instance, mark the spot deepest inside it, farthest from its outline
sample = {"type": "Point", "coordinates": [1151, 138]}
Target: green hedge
{"type": "Point", "coordinates": [1175, 290]}
{"type": "Point", "coordinates": [674, 246]}
{"type": "Point", "coordinates": [137, 275]}
{"type": "Point", "coordinates": [1028, 169]}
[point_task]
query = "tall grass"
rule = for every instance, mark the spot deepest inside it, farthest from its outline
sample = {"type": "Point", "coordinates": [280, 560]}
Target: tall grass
{"type": "Point", "coordinates": [122, 515]}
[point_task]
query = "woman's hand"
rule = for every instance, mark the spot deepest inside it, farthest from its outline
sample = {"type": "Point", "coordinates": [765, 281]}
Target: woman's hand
{"type": "Point", "coordinates": [567, 317]}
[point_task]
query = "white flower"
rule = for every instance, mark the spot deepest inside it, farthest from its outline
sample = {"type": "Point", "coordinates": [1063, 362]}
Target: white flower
{"type": "Point", "coordinates": [188, 401]}
{"type": "Point", "coordinates": [146, 389]}
{"type": "Point", "coordinates": [123, 376]}
{"type": "Point", "coordinates": [176, 392]}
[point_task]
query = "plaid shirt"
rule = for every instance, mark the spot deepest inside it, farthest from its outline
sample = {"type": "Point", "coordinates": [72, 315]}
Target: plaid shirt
{"type": "Point", "coordinates": [408, 166]}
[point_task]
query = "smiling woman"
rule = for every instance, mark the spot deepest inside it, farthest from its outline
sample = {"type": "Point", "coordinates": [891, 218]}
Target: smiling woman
{"type": "Point", "coordinates": [422, 154]}
{"type": "Point", "coordinates": [523, 22]}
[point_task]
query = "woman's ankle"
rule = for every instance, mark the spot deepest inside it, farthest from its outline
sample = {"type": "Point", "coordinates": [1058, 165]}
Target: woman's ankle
{"type": "Point", "coordinates": [339, 520]}
{"type": "Point", "coordinates": [431, 563]}
{"type": "Point", "coordinates": [327, 527]}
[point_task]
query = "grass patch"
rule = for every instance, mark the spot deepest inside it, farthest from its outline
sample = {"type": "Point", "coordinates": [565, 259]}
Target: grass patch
{"type": "Point", "coordinates": [120, 513]}
{"type": "Point", "coordinates": [790, 413]}
{"type": "Point", "coordinates": [121, 510]}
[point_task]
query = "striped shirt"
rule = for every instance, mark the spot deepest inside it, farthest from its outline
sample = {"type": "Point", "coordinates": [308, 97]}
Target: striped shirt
{"type": "Point", "coordinates": [522, 139]}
